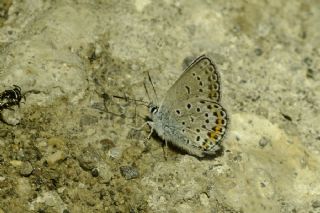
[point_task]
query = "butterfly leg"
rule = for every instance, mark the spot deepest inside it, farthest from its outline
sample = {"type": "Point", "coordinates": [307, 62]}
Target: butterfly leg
{"type": "Point", "coordinates": [166, 150]}
{"type": "Point", "coordinates": [139, 128]}
{"type": "Point", "coordinates": [149, 136]}
{"type": "Point", "coordinates": [150, 123]}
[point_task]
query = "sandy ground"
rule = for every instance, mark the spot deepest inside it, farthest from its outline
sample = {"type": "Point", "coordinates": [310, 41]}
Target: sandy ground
{"type": "Point", "coordinates": [71, 147]}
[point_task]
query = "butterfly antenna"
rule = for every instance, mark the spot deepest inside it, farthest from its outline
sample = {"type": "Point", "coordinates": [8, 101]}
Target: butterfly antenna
{"type": "Point", "coordinates": [126, 98]}
{"type": "Point", "coordinates": [146, 89]}
{"type": "Point", "coordinates": [153, 87]}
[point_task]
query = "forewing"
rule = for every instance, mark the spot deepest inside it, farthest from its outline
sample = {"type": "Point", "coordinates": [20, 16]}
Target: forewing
{"type": "Point", "coordinates": [200, 79]}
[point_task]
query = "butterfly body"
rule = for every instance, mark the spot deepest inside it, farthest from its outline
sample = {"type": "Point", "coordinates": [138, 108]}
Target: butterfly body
{"type": "Point", "coordinates": [190, 117]}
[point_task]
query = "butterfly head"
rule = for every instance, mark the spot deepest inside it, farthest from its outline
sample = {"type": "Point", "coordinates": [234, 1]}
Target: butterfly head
{"type": "Point", "coordinates": [153, 109]}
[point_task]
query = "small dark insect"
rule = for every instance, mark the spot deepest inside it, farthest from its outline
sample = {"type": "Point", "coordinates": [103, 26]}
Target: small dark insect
{"type": "Point", "coordinates": [9, 98]}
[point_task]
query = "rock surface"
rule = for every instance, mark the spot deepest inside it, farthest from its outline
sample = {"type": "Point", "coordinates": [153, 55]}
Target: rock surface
{"type": "Point", "coordinates": [69, 138]}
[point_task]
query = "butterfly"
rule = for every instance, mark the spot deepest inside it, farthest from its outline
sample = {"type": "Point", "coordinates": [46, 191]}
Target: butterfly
{"type": "Point", "coordinates": [190, 116]}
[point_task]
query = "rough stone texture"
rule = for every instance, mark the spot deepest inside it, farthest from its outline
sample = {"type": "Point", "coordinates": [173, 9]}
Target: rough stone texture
{"type": "Point", "coordinates": [69, 57]}
{"type": "Point", "coordinates": [129, 172]}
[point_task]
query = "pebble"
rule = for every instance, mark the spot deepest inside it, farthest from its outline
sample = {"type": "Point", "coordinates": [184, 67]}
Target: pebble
{"type": "Point", "coordinates": [107, 144]}
{"type": "Point", "coordinates": [3, 133]}
{"type": "Point", "coordinates": [16, 163]}
{"type": "Point", "coordinates": [129, 172]}
{"type": "Point", "coordinates": [263, 142]}
{"type": "Point", "coordinates": [26, 169]}
{"type": "Point", "coordinates": [316, 204]}
{"type": "Point", "coordinates": [55, 157]}
{"type": "Point", "coordinates": [115, 152]}
{"type": "Point", "coordinates": [95, 172]}
{"type": "Point", "coordinates": [258, 51]}
{"type": "Point", "coordinates": [105, 172]}
{"type": "Point", "coordinates": [204, 200]}
{"type": "Point", "coordinates": [11, 117]}
{"type": "Point", "coordinates": [87, 161]}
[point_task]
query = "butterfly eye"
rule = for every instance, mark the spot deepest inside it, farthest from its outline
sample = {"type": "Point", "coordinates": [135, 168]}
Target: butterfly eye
{"type": "Point", "coordinates": [154, 109]}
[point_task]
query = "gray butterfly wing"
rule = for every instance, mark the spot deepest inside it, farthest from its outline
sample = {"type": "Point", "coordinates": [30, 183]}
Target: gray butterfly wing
{"type": "Point", "coordinates": [202, 122]}
{"type": "Point", "coordinates": [200, 79]}
{"type": "Point", "coordinates": [193, 109]}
